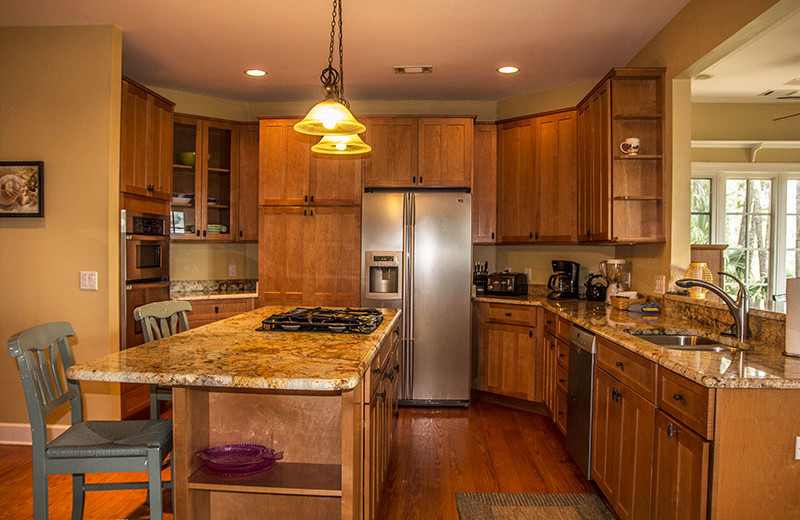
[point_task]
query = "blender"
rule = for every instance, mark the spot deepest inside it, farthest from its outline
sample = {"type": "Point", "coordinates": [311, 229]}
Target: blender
{"type": "Point", "coordinates": [615, 270]}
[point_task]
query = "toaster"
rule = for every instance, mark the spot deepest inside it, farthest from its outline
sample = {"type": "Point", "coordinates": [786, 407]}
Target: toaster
{"type": "Point", "coordinates": [507, 284]}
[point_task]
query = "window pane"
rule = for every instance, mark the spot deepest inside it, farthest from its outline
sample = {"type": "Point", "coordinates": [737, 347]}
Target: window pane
{"type": "Point", "coordinates": [791, 232]}
{"type": "Point", "coordinates": [792, 196]}
{"type": "Point", "coordinates": [733, 231]}
{"type": "Point", "coordinates": [735, 190]}
{"type": "Point", "coordinates": [735, 261]}
{"type": "Point", "coordinates": [701, 195]}
{"type": "Point", "coordinates": [760, 196]}
{"type": "Point", "coordinates": [758, 232]}
{"type": "Point", "coordinates": [791, 263]}
{"type": "Point", "coordinates": [701, 229]}
{"type": "Point", "coordinates": [757, 267]}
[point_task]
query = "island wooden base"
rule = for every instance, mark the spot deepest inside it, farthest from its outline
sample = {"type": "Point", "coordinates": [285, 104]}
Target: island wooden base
{"type": "Point", "coordinates": [319, 433]}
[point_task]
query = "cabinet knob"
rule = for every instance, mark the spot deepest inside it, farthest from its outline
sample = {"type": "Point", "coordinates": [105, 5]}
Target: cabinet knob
{"type": "Point", "coordinates": [305, 198]}
{"type": "Point", "coordinates": [414, 179]}
{"type": "Point", "coordinates": [561, 381]}
{"type": "Point", "coordinates": [508, 314]}
{"type": "Point", "coordinates": [492, 235]}
{"type": "Point", "coordinates": [204, 232]}
{"type": "Point", "coordinates": [216, 309]}
{"type": "Point", "coordinates": [562, 355]}
{"type": "Point", "coordinates": [305, 212]}
{"type": "Point", "coordinates": [382, 395]}
{"type": "Point", "coordinates": [530, 234]}
{"type": "Point", "coordinates": [530, 333]}
{"type": "Point", "coordinates": [420, 179]}
{"type": "Point", "coordinates": [677, 397]}
{"type": "Point", "coordinates": [620, 365]}
{"type": "Point", "coordinates": [536, 235]}
{"type": "Point", "coordinates": [311, 212]}
{"type": "Point", "coordinates": [390, 375]}
{"type": "Point", "coordinates": [240, 233]}
{"type": "Point", "coordinates": [312, 198]}
{"type": "Point", "coordinates": [672, 431]}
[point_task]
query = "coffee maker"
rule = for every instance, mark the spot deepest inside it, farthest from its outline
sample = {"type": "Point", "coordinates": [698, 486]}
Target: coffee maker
{"type": "Point", "coordinates": [563, 283]}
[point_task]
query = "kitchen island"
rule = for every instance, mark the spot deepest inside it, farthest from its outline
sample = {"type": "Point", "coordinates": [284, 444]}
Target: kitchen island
{"type": "Point", "coordinates": [310, 395]}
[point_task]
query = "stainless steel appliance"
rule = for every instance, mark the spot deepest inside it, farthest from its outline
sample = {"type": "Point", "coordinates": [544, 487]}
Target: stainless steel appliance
{"type": "Point", "coordinates": [563, 284]}
{"type": "Point", "coordinates": [145, 268]}
{"type": "Point", "coordinates": [507, 284]}
{"type": "Point", "coordinates": [430, 230]}
{"type": "Point", "coordinates": [320, 319]}
{"type": "Point", "coordinates": [580, 396]}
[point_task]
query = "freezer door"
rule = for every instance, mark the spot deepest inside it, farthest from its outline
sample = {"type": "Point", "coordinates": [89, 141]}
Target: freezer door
{"type": "Point", "coordinates": [440, 286]}
{"type": "Point", "coordinates": [381, 230]}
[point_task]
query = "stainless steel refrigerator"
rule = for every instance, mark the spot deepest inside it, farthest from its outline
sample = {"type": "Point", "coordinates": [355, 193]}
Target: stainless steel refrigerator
{"type": "Point", "coordinates": [417, 255]}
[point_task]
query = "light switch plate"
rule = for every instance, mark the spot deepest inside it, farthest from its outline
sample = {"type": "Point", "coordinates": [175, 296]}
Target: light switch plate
{"type": "Point", "coordinates": [231, 269]}
{"type": "Point", "coordinates": [661, 284]}
{"type": "Point", "coordinates": [88, 281]}
{"type": "Point", "coordinates": [797, 448]}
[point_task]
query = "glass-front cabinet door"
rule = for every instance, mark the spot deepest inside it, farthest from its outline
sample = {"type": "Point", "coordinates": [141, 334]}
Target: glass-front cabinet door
{"type": "Point", "coordinates": [204, 173]}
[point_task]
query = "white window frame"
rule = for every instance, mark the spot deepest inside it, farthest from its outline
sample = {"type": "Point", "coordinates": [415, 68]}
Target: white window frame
{"type": "Point", "coordinates": [780, 173]}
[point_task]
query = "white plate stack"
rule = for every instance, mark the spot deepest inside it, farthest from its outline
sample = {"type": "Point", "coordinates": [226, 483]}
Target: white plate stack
{"type": "Point", "coordinates": [793, 317]}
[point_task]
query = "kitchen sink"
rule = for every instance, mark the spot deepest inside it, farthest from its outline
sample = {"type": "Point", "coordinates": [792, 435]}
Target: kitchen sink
{"type": "Point", "coordinates": [685, 342]}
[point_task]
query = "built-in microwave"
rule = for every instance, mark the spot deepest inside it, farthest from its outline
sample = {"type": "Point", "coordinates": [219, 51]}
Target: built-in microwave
{"type": "Point", "coordinates": [146, 238]}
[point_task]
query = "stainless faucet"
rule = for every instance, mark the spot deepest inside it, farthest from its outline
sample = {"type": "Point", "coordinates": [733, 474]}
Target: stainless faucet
{"type": "Point", "coordinates": [737, 308]}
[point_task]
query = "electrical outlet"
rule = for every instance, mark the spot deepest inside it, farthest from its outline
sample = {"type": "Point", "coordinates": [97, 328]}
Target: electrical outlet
{"type": "Point", "coordinates": [661, 284]}
{"type": "Point", "coordinates": [231, 269]}
{"type": "Point", "coordinates": [88, 281]}
{"type": "Point", "coordinates": [797, 448]}
{"type": "Point", "coordinates": [528, 272]}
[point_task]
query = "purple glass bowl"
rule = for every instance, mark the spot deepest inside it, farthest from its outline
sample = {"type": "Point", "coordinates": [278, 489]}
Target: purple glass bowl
{"type": "Point", "coordinates": [237, 455]}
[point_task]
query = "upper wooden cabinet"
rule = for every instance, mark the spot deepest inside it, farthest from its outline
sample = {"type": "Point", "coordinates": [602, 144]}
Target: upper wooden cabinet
{"type": "Point", "coordinates": [291, 174]}
{"type": "Point", "coordinates": [418, 152]}
{"type": "Point", "coordinates": [484, 184]}
{"type": "Point", "coordinates": [205, 179]}
{"type": "Point", "coordinates": [146, 142]}
{"type": "Point", "coordinates": [248, 182]}
{"type": "Point", "coordinates": [537, 179]}
{"type": "Point", "coordinates": [621, 195]}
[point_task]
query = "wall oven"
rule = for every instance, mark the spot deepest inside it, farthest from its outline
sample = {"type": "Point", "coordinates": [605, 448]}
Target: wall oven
{"type": "Point", "coordinates": [146, 247]}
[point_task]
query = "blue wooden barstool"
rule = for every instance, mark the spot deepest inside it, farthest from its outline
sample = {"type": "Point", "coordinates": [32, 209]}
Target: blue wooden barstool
{"type": "Point", "coordinates": [86, 446]}
{"type": "Point", "coordinates": [161, 320]}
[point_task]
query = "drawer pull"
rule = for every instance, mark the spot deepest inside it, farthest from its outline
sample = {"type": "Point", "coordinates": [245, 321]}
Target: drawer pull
{"type": "Point", "coordinates": [672, 431]}
{"type": "Point", "coordinates": [560, 413]}
{"type": "Point", "coordinates": [376, 371]}
{"type": "Point", "coordinates": [530, 333]}
{"type": "Point", "coordinates": [548, 322]}
{"type": "Point", "coordinates": [561, 381]}
{"type": "Point", "coordinates": [397, 368]}
{"type": "Point", "coordinates": [382, 395]}
{"type": "Point", "coordinates": [390, 375]}
{"type": "Point", "coordinates": [677, 397]}
{"type": "Point", "coordinates": [508, 314]}
{"type": "Point", "coordinates": [562, 355]}
{"type": "Point", "coordinates": [620, 365]}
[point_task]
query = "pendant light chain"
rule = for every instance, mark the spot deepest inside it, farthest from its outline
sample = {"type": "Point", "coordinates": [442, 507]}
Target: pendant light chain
{"type": "Point", "coordinates": [341, 57]}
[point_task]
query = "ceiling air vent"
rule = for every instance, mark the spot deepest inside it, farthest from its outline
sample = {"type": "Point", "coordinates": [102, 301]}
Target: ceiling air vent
{"type": "Point", "coordinates": [778, 93]}
{"type": "Point", "coordinates": [415, 69]}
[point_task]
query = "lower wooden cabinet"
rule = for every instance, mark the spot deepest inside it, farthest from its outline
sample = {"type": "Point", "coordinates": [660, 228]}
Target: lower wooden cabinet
{"type": "Point", "coordinates": [680, 471]}
{"type": "Point", "coordinates": [622, 446]}
{"type": "Point", "coordinates": [510, 360]}
{"type": "Point", "coordinates": [209, 311]}
{"type": "Point", "coordinates": [549, 356]}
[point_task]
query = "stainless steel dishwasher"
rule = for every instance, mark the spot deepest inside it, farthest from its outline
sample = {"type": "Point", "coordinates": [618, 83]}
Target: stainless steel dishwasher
{"type": "Point", "coordinates": [580, 398]}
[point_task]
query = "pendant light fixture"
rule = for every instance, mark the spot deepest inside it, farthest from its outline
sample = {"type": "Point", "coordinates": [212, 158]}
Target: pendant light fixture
{"type": "Point", "coordinates": [331, 117]}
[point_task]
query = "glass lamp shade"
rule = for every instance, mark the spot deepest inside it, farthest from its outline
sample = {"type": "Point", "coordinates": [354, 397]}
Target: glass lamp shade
{"type": "Point", "coordinates": [341, 145]}
{"type": "Point", "coordinates": [329, 117]}
{"type": "Point", "coordinates": [699, 271]}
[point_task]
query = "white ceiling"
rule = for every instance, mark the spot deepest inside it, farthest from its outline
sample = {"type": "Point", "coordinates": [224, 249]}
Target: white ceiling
{"type": "Point", "coordinates": [764, 63]}
{"type": "Point", "coordinates": [204, 45]}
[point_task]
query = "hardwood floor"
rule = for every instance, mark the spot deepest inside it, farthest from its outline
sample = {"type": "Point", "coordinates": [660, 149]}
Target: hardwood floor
{"type": "Point", "coordinates": [436, 453]}
{"type": "Point", "coordinates": [485, 448]}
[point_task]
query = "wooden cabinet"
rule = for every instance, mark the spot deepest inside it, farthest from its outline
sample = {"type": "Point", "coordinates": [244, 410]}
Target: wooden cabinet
{"type": "Point", "coordinates": [555, 355]}
{"type": "Point", "coordinates": [484, 184]}
{"type": "Point", "coordinates": [549, 355]}
{"type": "Point", "coordinates": [309, 255]}
{"type": "Point", "coordinates": [146, 142]}
{"type": "Point", "coordinates": [418, 151]}
{"type": "Point", "coordinates": [537, 179]}
{"type": "Point", "coordinates": [621, 196]}
{"type": "Point", "coordinates": [622, 446]}
{"type": "Point", "coordinates": [680, 471]}
{"type": "Point", "coordinates": [290, 174]}
{"type": "Point", "coordinates": [248, 182]}
{"type": "Point", "coordinates": [205, 179]}
{"type": "Point", "coordinates": [211, 310]}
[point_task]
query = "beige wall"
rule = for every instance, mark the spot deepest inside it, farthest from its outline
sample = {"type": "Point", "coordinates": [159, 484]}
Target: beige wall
{"type": "Point", "coordinates": [210, 106]}
{"type": "Point", "coordinates": [60, 103]}
{"type": "Point", "coordinates": [554, 99]}
{"type": "Point", "coordinates": [208, 261]}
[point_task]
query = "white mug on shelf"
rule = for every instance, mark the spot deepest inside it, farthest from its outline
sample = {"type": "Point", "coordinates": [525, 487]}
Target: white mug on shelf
{"type": "Point", "coordinates": [630, 146]}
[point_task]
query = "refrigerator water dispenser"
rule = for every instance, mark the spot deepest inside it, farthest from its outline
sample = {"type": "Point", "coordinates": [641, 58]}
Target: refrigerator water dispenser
{"type": "Point", "coordinates": [383, 269]}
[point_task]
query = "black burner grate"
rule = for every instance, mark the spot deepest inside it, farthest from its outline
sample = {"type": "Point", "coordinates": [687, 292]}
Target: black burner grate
{"type": "Point", "coordinates": [320, 319]}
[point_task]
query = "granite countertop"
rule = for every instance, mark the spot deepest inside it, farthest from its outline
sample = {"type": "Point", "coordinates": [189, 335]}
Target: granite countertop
{"type": "Point", "coordinates": [194, 296]}
{"type": "Point", "coordinates": [758, 366]}
{"type": "Point", "coordinates": [231, 353]}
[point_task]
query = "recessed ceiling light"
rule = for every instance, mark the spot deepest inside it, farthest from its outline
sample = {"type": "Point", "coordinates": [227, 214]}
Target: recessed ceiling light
{"type": "Point", "coordinates": [256, 73]}
{"type": "Point", "coordinates": [508, 69]}
{"type": "Point", "coordinates": [702, 77]}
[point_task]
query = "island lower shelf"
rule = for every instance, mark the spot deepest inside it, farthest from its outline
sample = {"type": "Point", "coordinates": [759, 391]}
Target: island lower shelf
{"type": "Point", "coordinates": [320, 434]}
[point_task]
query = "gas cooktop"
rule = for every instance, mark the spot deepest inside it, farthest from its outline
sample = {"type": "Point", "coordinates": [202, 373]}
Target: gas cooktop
{"type": "Point", "coordinates": [320, 319]}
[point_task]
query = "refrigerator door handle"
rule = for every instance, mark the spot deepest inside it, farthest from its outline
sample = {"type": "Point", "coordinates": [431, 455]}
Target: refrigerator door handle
{"type": "Point", "coordinates": [406, 307]}
{"type": "Point", "coordinates": [410, 299]}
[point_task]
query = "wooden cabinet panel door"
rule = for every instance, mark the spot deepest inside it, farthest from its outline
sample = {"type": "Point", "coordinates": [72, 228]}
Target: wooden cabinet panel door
{"type": "Point", "coordinates": [393, 159]}
{"type": "Point", "coordinates": [510, 360]}
{"type": "Point", "coordinates": [515, 182]}
{"type": "Point", "coordinates": [605, 435]}
{"type": "Point", "coordinates": [484, 184]}
{"type": "Point", "coordinates": [284, 164]}
{"type": "Point", "coordinates": [549, 356]}
{"type": "Point", "coordinates": [219, 163]}
{"type": "Point", "coordinates": [159, 148]}
{"type": "Point", "coordinates": [680, 471]}
{"type": "Point", "coordinates": [334, 253]}
{"type": "Point", "coordinates": [248, 182]}
{"type": "Point", "coordinates": [634, 488]}
{"type": "Point", "coordinates": [336, 180]}
{"type": "Point", "coordinates": [594, 202]}
{"type": "Point", "coordinates": [445, 152]}
{"type": "Point", "coordinates": [584, 172]}
{"type": "Point", "coordinates": [557, 189]}
{"type": "Point", "coordinates": [133, 145]}
{"type": "Point", "coordinates": [282, 262]}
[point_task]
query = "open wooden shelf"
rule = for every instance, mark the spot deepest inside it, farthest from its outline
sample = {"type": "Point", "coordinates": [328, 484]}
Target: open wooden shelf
{"type": "Point", "coordinates": [218, 206]}
{"type": "Point", "coordinates": [183, 167]}
{"type": "Point", "coordinates": [623, 117]}
{"type": "Point", "coordinates": [640, 157]}
{"type": "Point", "coordinates": [182, 205]}
{"type": "Point", "coordinates": [219, 170]}
{"type": "Point", "coordinates": [284, 478]}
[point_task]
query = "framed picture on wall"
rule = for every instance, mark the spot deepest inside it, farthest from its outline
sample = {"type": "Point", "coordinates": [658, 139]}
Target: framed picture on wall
{"type": "Point", "coordinates": [21, 189]}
